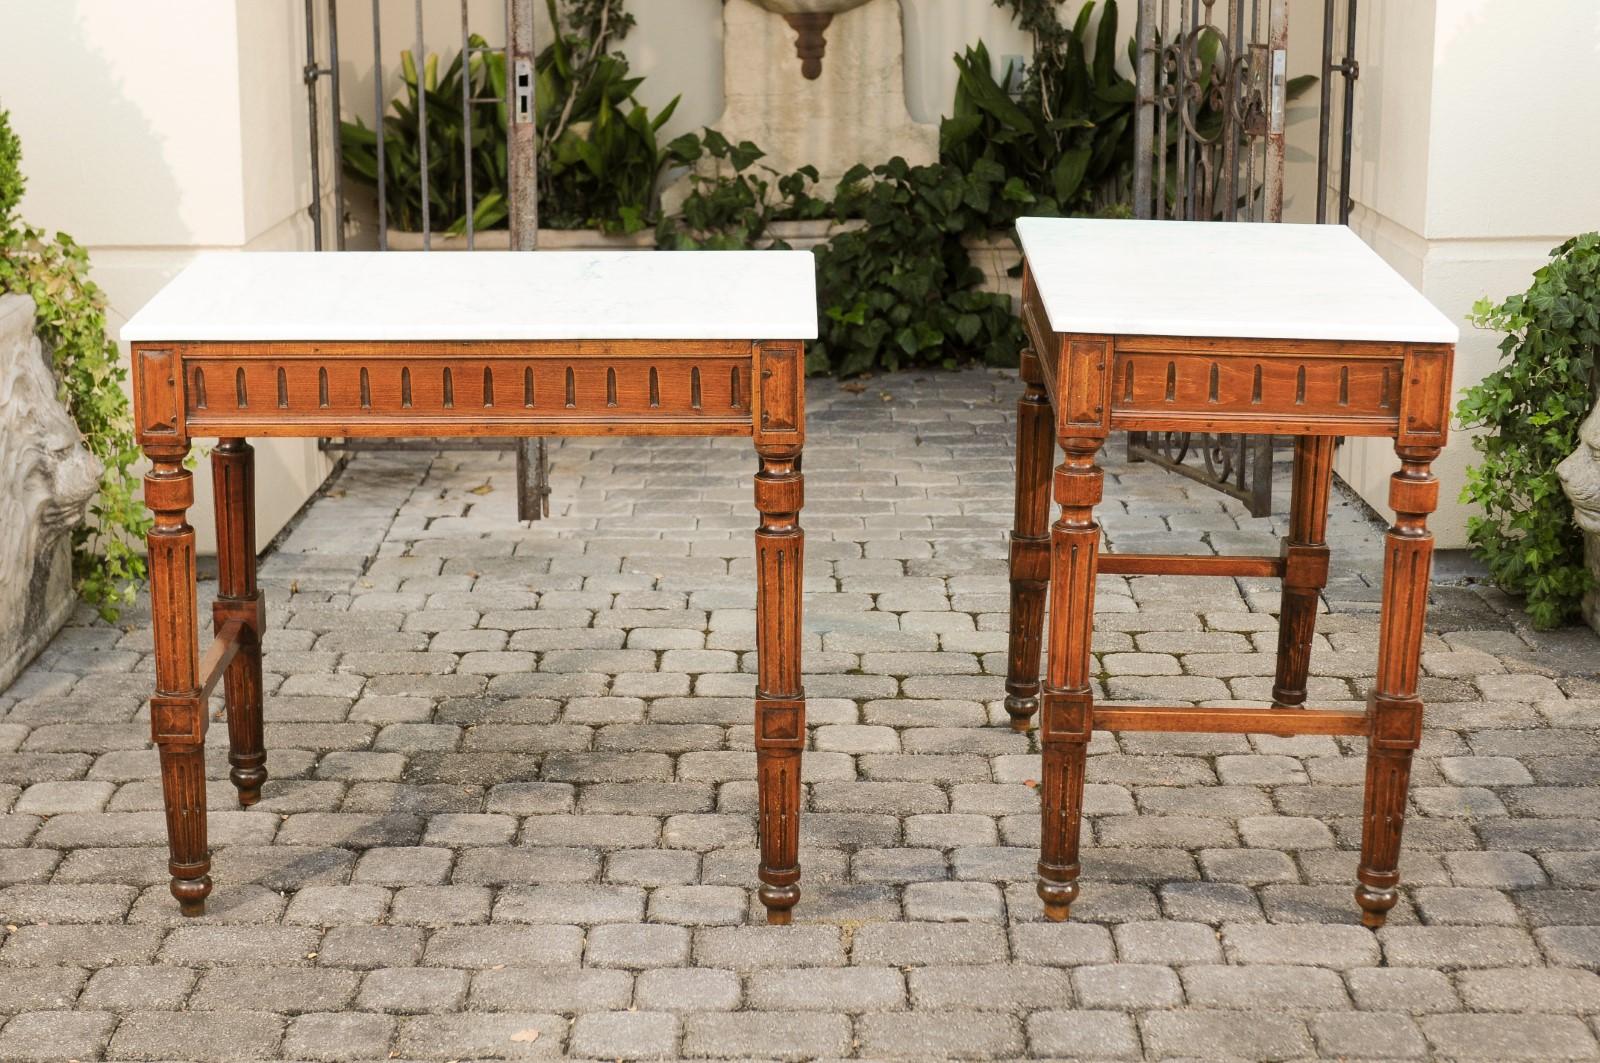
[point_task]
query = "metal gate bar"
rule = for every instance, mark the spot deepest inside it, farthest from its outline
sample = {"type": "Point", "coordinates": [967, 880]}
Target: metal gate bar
{"type": "Point", "coordinates": [533, 481]}
{"type": "Point", "coordinates": [1243, 88]}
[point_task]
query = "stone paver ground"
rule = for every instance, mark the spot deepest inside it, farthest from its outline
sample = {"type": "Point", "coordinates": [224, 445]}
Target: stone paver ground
{"type": "Point", "coordinates": [511, 807]}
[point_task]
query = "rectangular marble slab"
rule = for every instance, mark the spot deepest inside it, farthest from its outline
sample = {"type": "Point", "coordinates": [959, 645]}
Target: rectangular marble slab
{"type": "Point", "coordinates": [1223, 279]}
{"type": "Point", "coordinates": [549, 295]}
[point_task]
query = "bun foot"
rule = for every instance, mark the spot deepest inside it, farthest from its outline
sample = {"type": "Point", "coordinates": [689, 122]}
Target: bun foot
{"type": "Point", "coordinates": [779, 901]}
{"type": "Point", "coordinates": [1057, 898]}
{"type": "Point", "coordinates": [191, 894]}
{"type": "Point", "coordinates": [1021, 711]}
{"type": "Point", "coordinates": [1375, 904]}
{"type": "Point", "coordinates": [248, 781]}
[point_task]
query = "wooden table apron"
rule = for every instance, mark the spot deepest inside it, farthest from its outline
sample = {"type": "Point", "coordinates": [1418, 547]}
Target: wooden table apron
{"type": "Point", "coordinates": [233, 390]}
{"type": "Point", "coordinates": [1079, 388]}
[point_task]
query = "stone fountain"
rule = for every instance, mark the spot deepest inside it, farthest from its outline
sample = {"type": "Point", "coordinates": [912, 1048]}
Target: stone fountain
{"type": "Point", "coordinates": [820, 82]}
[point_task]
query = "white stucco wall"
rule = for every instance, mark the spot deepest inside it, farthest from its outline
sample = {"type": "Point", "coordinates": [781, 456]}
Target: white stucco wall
{"type": "Point", "coordinates": [1473, 159]}
{"type": "Point", "coordinates": [153, 131]}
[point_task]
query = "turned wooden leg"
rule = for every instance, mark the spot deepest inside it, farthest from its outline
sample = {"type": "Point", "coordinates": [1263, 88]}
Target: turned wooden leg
{"type": "Point", "coordinates": [1030, 544]}
{"type": "Point", "coordinates": [1305, 555]}
{"type": "Point", "coordinates": [1393, 708]}
{"type": "Point", "coordinates": [177, 713]}
{"type": "Point", "coordinates": [238, 598]}
{"type": "Point", "coordinates": [780, 698]}
{"type": "Point", "coordinates": [1068, 718]}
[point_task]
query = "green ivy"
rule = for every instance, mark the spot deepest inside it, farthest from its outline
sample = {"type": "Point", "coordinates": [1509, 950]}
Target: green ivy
{"type": "Point", "coordinates": [107, 557]}
{"type": "Point", "coordinates": [1532, 407]}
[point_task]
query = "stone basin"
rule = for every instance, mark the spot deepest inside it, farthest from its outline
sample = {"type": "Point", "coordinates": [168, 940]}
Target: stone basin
{"type": "Point", "coordinates": [808, 7]}
{"type": "Point", "coordinates": [810, 20]}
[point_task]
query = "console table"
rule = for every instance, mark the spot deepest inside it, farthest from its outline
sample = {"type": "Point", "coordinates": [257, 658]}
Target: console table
{"type": "Point", "coordinates": [1295, 330]}
{"type": "Point", "coordinates": [294, 344]}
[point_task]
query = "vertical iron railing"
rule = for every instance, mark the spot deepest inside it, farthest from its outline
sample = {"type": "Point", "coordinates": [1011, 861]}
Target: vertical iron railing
{"type": "Point", "coordinates": [1211, 105]}
{"type": "Point", "coordinates": [533, 487]}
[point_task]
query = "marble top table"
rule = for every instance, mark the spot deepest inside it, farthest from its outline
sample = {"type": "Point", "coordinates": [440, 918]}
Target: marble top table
{"type": "Point", "coordinates": [1223, 279]}
{"type": "Point", "coordinates": [1199, 330]}
{"type": "Point", "coordinates": [353, 344]}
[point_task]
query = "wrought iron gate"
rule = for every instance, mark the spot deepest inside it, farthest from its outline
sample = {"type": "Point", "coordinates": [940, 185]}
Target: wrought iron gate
{"type": "Point", "coordinates": [533, 481]}
{"type": "Point", "coordinates": [1213, 91]}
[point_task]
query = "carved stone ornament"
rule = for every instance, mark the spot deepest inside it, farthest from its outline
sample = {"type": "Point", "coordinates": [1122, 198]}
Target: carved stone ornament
{"type": "Point", "coordinates": [47, 478]}
{"type": "Point", "coordinates": [1580, 479]}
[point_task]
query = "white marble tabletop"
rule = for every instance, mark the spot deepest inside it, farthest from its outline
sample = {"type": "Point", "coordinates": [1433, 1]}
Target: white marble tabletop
{"type": "Point", "coordinates": [566, 295]}
{"type": "Point", "coordinates": [1236, 280]}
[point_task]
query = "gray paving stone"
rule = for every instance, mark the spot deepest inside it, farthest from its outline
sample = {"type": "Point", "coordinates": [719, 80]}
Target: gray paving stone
{"type": "Point", "coordinates": [1510, 1037]}
{"type": "Point", "coordinates": [339, 1037]}
{"type": "Point", "coordinates": [567, 990]}
{"type": "Point", "coordinates": [1368, 1036]}
{"type": "Point", "coordinates": [757, 1035]}
{"type": "Point", "coordinates": [943, 1035]}
{"type": "Point", "coordinates": [1083, 1035]}
{"type": "Point", "coordinates": [131, 988]}
{"type": "Point", "coordinates": [412, 990]}
{"type": "Point", "coordinates": [496, 747]}
{"type": "Point", "coordinates": [51, 1036]}
{"type": "Point", "coordinates": [624, 1035]}
{"type": "Point", "coordinates": [198, 1036]}
{"type": "Point", "coordinates": [1223, 1035]}
{"type": "Point", "coordinates": [39, 989]}
{"type": "Point", "coordinates": [512, 1035]}
{"type": "Point", "coordinates": [688, 989]}
{"type": "Point", "coordinates": [920, 944]}
{"type": "Point", "coordinates": [853, 989]}
{"type": "Point", "coordinates": [746, 948]}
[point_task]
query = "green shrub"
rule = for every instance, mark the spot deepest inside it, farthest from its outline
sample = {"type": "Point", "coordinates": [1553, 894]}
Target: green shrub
{"type": "Point", "coordinates": [1532, 407]}
{"type": "Point", "coordinates": [107, 556]}
{"type": "Point", "coordinates": [902, 291]}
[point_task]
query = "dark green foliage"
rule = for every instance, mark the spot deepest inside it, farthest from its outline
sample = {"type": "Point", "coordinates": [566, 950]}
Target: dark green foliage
{"type": "Point", "coordinates": [734, 208]}
{"type": "Point", "coordinates": [1066, 153]}
{"type": "Point", "coordinates": [902, 291]}
{"type": "Point", "coordinates": [107, 557]}
{"type": "Point", "coordinates": [1533, 406]}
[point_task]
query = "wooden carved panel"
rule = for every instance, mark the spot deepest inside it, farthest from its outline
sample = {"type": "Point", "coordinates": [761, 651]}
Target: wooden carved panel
{"type": "Point", "coordinates": [781, 409]}
{"type": "Point", "coordinates": [156, 391]}
{"type": "Point", "coordinates": [295, 393]}
{"type": "Point", "coordinates": [1425, 397]}
{"type": "Point", "coordinates": [1294, 387]}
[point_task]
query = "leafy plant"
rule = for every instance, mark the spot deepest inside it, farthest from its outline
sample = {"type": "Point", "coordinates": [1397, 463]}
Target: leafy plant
{"type": "Point", "coordinates": [600, 165]}
{"type": "Point", "coordinates": [1066, 144]}
{"type": "Point", "coordinates": [485, 72]}
{"type": "Point", "coordinates": [599, 162]}
{"type": "Point", "coordinates": [1533, 407]}
{"type": "Point", "coordinates": [734, 207]}
{"type": "Point", "coordinates": [11, 179]}
{"type": "Point", "coordinates": [902, 291]}
{"type": "Point", "coordinates": [107, 561]}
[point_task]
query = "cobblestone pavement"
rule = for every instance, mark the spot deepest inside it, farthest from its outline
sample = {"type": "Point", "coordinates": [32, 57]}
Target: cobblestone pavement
{"type": "Point", "coordinates": [511, 813]}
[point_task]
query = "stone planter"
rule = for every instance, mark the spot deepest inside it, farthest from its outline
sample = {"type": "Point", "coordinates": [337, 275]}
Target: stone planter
{"type": "Point", "coordinates": [47, 478]}
{"type": "Point", "coordinates": [1580, 479]}
{"type": "Point", "coordinates": [549, 240]}
{"type": "Point", "coordinates": [996, 254]}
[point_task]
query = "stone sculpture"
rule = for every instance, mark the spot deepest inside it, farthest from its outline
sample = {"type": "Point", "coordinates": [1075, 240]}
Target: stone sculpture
{"type": "Point", "coordinates": [1580, 479]}
{"type": "Point", "coordinates": [47, 478]}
